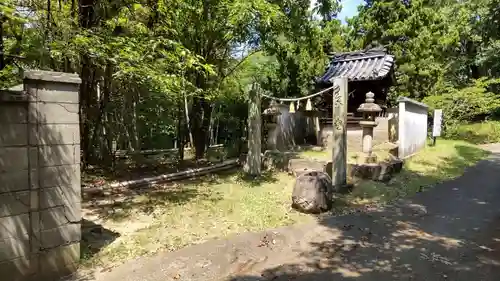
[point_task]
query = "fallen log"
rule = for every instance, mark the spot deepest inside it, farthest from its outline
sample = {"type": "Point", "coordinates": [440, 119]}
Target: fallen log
{"type": "Point", "coordinates": [190, 173]}
{"type": "Point", "coordinates": [124, 153]}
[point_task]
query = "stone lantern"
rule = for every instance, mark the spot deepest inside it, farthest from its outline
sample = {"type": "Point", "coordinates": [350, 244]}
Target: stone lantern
{"type": "Point", "coordinates": [370, 110]}
{"type": "Point", "coordinates": [270, 123]}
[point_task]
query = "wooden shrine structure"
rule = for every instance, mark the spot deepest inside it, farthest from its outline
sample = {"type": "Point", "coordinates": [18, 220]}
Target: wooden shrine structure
{"type": "Point", "coordinates": [370, 70]}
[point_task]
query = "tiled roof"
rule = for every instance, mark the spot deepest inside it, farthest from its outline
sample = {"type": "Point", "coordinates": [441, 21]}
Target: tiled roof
{"type": "Point", "coordinates": [372, 64]}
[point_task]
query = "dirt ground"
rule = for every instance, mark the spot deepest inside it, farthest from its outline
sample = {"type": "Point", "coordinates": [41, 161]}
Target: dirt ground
{"type": "Point", "coordinates": [451, 232]}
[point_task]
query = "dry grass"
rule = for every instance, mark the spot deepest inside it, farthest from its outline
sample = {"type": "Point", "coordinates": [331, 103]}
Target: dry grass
{"type": "Point", "coordinates": [169, 217]}
{"type": "Point", "coordinates": [174, 216]}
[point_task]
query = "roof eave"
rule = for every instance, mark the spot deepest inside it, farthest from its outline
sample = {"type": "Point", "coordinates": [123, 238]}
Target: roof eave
{"type": "Point", "coordinates": [378, 78]}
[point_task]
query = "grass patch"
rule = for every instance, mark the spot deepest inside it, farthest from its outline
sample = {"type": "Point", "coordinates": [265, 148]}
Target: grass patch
{"type": "Point", "coordinates": [381, 151]}
{"type": "Point", "coordinates": [173, 216]}
{"type": "Point", "coordinates": [169, 217]}
{"type": "Point", "coordinates": [478, 133]}
{"type": "Point", "coordinates": [445, 161]}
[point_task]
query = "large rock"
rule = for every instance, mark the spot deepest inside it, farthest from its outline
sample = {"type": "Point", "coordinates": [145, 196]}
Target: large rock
{"type": "Point", "coordinates": [276, 160]}
{"type": "Point", "coordinates": [299, 166]}
{"type": "Point", "coordinates": [312, 192]}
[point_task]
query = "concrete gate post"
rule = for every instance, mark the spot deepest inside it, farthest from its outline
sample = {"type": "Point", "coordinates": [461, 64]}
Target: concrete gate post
{"type": "Point", "coordinates": [40, 193]}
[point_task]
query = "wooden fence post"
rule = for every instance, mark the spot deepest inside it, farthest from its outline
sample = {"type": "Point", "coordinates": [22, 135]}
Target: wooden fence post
{"type": "Point", "coordinates": [253, 164]}
{"type": "Point", "coordinates": [339, 150]}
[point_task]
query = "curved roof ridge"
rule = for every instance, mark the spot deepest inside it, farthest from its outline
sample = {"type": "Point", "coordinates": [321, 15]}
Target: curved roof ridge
{"type": "Point", "coordinates": [369, 64]}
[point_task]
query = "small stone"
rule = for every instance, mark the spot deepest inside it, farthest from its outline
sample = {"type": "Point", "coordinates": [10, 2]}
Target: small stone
{"type": "Point", "coordinates": [322, 264]}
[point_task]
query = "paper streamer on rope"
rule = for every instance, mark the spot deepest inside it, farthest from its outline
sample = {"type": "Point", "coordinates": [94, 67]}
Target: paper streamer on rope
{"type": "Point", "coordinates": [292, 108]}
{"type": "Point", "coordinates": [308, 105]}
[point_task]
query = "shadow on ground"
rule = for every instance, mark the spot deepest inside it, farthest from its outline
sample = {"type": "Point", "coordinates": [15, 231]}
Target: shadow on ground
{"type": "Point", "coordinates": [94, 238]}
{"type": "Point", "coordinates": [119, 203]}
{"type": "Point", "coordinates": [266, 177]}
{"type": "Point", "coordinates": [451, 232]}
{"type": "Point", "coordinates": [136, 208]}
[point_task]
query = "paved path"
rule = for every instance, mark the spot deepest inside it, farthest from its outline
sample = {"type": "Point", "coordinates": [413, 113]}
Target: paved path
{"type": "Point", "coordinates": [451, 232]}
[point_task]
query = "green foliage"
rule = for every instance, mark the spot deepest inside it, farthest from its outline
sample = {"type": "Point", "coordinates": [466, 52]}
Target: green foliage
{"type": "Point", "coordinates": [140, 61]}
{"type": "Point", "coordinates": [9, 77]}
{"type": "Point", "coordinates": [466, 104]}
{"type": "Point", "coordinates": [434, 42]}
{"type": "Point", "coordinates": [478, 133]}
{"type": "Point", "coordinates": [417, 34]}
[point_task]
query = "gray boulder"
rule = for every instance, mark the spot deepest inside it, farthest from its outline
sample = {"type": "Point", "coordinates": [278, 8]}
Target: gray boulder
{"type": "Point", "coordinates": [299, 166]}
{"type": "Point", "coordinates": [313, 192]}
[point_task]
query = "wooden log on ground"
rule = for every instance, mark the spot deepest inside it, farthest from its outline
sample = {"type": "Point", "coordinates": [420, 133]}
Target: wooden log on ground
{"type": "Point", "coordinates": [191, 173]}
{"type": "Point", "coordinates": [125, 153]}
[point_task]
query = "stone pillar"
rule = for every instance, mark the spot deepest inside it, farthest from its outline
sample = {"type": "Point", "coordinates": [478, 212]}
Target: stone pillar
{"type": "Point", "coordinates": [339, 148]}
{"type": "Point", "coordinates": [42, 220]}
{"type": "Point", "coordinates": [254, 159]}
{"type": "Point", "coordinates": [367, 140]}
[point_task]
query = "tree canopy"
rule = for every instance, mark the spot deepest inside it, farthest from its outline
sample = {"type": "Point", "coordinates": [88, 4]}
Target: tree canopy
{"type": "Point", "coordinates": [155, 72]}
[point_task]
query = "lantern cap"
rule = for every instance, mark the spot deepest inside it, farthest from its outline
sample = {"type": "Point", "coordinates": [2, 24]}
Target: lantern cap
{"type": "Point", "coordinates": [369, 105]}
{"type": "Point", "coordinates": [273, 109]}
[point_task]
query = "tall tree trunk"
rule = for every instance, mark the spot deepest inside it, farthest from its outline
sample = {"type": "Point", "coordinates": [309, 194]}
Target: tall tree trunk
{"type": "Point", "coordinates": [107, 133]}
{"type": "Point", "coordinates": [180, 133]}
{"type": "Point", "coordinates": [2, 55]}
{"type": "Point", "coordinates": [211, 131]}
{"type": "Point", "coordinates": [85, 92]}
{"type": "Point", "coordinates": [85, 15]}
{"type": "Point", "coordinates": [188, 123]}
{"type": "Point", "coordinates": [196, 120]}
{"type": "Point", "coordinates": [96, 137]}
{"type": "Point", "coordinates": [126, 139]}
{"type": "Point", "coordinates": [132, 98]}
{"type": "Point", "coordinates": [216, 137]}
{"type": "Point", "coordinates": [200, 122]}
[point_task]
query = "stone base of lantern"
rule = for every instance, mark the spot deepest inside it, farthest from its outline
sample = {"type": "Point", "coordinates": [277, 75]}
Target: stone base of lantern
{"type": "Point", "coordinates": [369, 159]}
{"type": "Point", "coordinates": [383, 171]}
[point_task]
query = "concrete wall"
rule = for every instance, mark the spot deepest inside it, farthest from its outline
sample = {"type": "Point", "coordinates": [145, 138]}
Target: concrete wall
{"type": "Point", "coordinates": [393, 124]}
{"type": "Point", "coordinates": [411, 129]}
{"type": "Point", "coordinates": [40, 199]}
